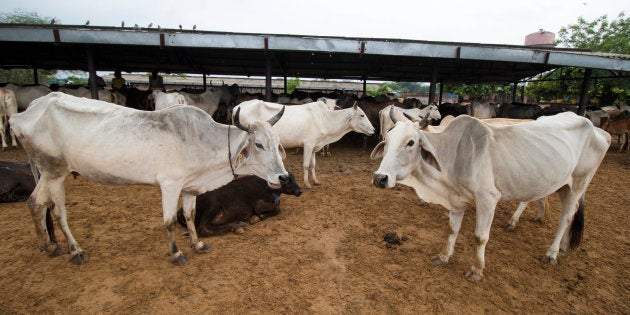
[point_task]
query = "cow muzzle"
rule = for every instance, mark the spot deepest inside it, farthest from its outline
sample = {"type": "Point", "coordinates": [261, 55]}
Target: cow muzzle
{"type": "Point", "coordinates": [379, 180]}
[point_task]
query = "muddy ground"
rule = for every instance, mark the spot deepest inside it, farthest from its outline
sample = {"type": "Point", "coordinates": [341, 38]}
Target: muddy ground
{"type": "Point", "coordinates": [325, 253]}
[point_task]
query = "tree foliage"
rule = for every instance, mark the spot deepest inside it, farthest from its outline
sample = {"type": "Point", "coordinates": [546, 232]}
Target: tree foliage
{"type": "Point", "coordinates": [24, 76]}
{"type": "Point", "coordinates": [599, 35]}
{"type": "Point", "coordinates": [23, 17]}
{"type": "Point", "coordinates": [292, 84]}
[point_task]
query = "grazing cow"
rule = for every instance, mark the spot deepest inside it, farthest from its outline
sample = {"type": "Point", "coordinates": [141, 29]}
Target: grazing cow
{"type": "Point", "coordinates": [245, 199]}
{"type": "Point", "coordinates": [519, 111]}
{"type": "Point", "coordinates": [386, 122]}
{"type": "Point", "coordinates": [595, 116]}
{"type": "Point", "coordinates": [163, 100]}
{"type": "Point", "coordinates": [472, 163]}
{"type": "Point", "coordinates": [180, 149]}
{"type": "Point", "coordinates": [310, 126]}
{"type": "Point", "coordinates": [26, 94]}
{"type": "Point", "coordinates": [616, 126]}
{"type": "Point", "coordinates": [8, 108]}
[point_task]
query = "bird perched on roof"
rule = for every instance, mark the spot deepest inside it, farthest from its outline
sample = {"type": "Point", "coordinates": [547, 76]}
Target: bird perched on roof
{"type": "Point", "coordinates": [180, 26]}
{"type": "Point", "coordinates": [195, 27]}
{"type": "Point", "coordinates": [87, 22]}
{"type": "Point", "coordinates": [136, 27]}
{"type": "Point", "coordinates": [122, 24]}
{"type": "Point", "coordinates": [159, 28]}
{"type": "Point", "coordinates": [150, 24]}
{"type": "Point", "coordinates": [52, 21]}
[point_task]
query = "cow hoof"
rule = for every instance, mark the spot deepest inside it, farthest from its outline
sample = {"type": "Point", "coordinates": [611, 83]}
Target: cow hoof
{"type": "Point", "coordinates": [55, 252]}
{"type": "Point", "coordinates": [79, 258]}
{"type": "Point", "coordinates": [255, 219]}
{"type": "Point", "coordinates": [473, 276]}
{"type": "Point", "coordinates": [439, 260]}
{"type": "Point", "coordinates": [239, 230]}
{"type": "Point", "coordinates": [549, 260]}
{"type": "Point", "coordinates": [510, 228]}
{"type": "Point", "coordinates": [203, 248]}
{"type": "Point", "coordinates": [317, 183]}
{"type": "Point", "coordinates": [179, 260]}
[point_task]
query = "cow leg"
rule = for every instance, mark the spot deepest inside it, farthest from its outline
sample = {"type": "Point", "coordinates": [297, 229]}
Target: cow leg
{"type": "Point", "coordinates": [3, 126]}
{"type": "Point", "coordinates": [311, 166]}
{"type": "Point", "coordinates": [516, 216]}
{"type": "Point", "coordinates": [543, 205]}
{"type": "Point", "coordinates": [58, 196]}
{"type": "Point", "coordinates": [38, 204]}
{"type": "Point", "coordinates": [170, 196]}
{"type": "Point", "coordinates": [455, 218]}
{"type": "Point", "coordinates": [569, 201]}
{"type": "Point", "coordinates": [188, 203]}
{"type": "Point", "coordinates": [485, 214]}
{"type": "Point", "coordinates": [306, 162]}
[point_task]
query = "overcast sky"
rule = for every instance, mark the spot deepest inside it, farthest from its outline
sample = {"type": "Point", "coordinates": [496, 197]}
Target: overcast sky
{"type": "Point", "coordinates": [493, 21]}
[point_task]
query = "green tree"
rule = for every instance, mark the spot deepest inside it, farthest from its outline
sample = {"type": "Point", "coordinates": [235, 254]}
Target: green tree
{"type": "Point", "coordinates": [292, 84]}
{"type": "Point", "coordinates": [24, 76]}
{"type": "Point", "coordinates": [599, 35]}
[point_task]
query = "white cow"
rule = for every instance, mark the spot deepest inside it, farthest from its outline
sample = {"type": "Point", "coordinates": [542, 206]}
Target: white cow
{"type": "Point", "coordinates": [163, 100]}
{"type": "Point", "coordinates": [208, 100]}
{"type": "Point", "coordinates": [8, 108]}
{"type": "Point", "coordinates": [310, 126]}
{"type": "Point", "coordinates": [26, 94]}
{"type": "Point", "coordinates": [472, 163]}
{"type": "Point", "coordinates": [103, 95]}
{"type": "Point", "coordinates": [181, 149]}
{"type": "Point", "coordinates": [399, 113]}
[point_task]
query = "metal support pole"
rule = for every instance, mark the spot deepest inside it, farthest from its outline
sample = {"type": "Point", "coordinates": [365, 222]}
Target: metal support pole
{"type": "Point", "coordinates": [441, 92]}
{"type": "Point", "coordinates": [364, 86]}
{"type": "Point", "coordinates": [514, 89]}
{"type": "Point", "coordinates": [268, 90]}
{"type": "Point", "coordinates": [35, 76]}
{"type": "Point", "coordinates": [584, 91]}
{"type": "Point", "coordinates": [204, 81]}
{"type": "Point", "coordinates": [285, 84]}
{"type": "Point", "coordinates": [92, 72]}
{"type": "Point", "coordinates": [434, 75]}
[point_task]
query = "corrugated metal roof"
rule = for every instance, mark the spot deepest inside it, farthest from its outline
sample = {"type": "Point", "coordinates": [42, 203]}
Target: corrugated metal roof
{"type": "Point", "coordinates": [221, 53]}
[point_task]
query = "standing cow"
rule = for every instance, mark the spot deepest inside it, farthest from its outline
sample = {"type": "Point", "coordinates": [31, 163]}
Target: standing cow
{"type": "Point", "coordinates": [180, 149]}
{"type": "Point", "coordinates": [8, 108]}
{"type": "Point", "coordinates": [310, 126]}
{"type": "Point", "coordinates": [472, 163]}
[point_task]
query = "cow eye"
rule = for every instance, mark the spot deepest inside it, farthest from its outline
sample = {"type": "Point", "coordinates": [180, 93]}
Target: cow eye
{"type": "Point", "coordinates": [258, 145]}
{"type": "Point", "coordinates": [410, 143]}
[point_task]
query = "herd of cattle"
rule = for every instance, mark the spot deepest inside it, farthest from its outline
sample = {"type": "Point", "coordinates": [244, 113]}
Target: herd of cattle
{"type": "Point", "coordinates": [205, 146]}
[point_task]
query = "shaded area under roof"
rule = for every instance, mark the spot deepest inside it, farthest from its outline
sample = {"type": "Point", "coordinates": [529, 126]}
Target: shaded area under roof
{"type": "Point", "coordinates": [65, 47]}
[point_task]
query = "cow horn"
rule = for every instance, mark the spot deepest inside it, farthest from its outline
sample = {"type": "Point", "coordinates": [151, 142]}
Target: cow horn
{"type": "Point", "coordinates": [424, 122]}
{"type": "Point", "coordinates": [391, 114]}
{"type": "Point", "coordinates": [237, 121]}
{"type": "Point", "coordinates": [409, 117]}
{"type": "Point", "coordinates": [275, 118]}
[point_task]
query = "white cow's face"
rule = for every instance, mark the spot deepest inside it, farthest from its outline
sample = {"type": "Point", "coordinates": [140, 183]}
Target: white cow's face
{"type": "Point", "coordinates": [263, 155]}
{"type": "Point", "coordinates": [360, 123]}
{"type": "Point", "coordinates": [404, 148]}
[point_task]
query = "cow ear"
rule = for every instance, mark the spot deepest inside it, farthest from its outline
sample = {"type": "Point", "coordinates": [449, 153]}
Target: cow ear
{"type": "Point", "coordinates": [428, 157]}
{"type": "Point", "coordinates": [242, 155]}
{"type": "Point", "coordinates": [377, 153]}
{"type": "Point", "coordinates": [283, 154]}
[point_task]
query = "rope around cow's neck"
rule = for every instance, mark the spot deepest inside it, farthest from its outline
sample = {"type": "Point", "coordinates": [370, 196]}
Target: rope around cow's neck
{"type": "Point", "coordinates": [230, 152]}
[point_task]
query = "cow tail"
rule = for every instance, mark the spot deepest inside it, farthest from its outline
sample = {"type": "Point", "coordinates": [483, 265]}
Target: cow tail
{"type": "Point", "coordinates": [577, 226]}
{"type": "Point", "coordinates": [181, 219]}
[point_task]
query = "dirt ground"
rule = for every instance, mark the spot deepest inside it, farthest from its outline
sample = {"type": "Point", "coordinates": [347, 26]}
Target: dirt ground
{"type": "Point", "coordinates": [325, 253]}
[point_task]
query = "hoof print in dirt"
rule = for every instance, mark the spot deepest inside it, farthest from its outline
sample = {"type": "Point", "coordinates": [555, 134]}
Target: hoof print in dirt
{"type": "Point", "coordinates": [392, 239]}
